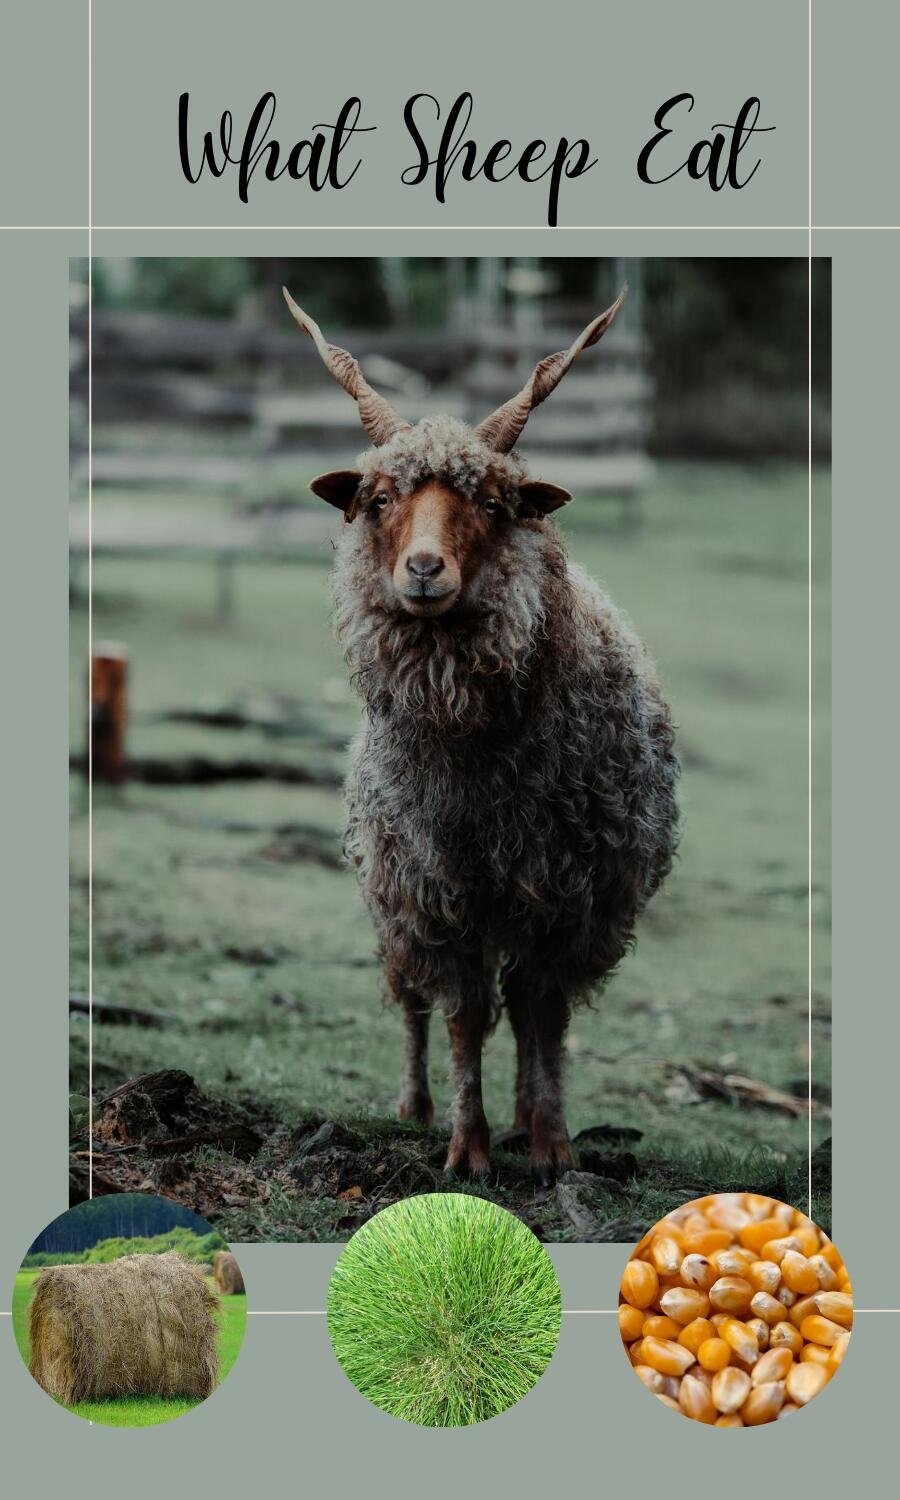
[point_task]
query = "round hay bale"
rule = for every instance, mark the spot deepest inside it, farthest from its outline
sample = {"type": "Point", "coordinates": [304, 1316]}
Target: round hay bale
{"type": "Point", "coordinates": [144, 1325]}
{"type": "Point", "coordinates": [227, 1273]}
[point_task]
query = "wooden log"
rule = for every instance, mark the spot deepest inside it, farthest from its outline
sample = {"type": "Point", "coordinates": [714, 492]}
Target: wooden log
{"type": "Point", "coordinates": [109, 712]}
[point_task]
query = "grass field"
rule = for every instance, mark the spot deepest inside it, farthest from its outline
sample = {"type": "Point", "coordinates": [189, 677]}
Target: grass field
{"type": "Point", "coordinates": [136, 1411]}
{"type": "Point", "coordinates": [223, 905]}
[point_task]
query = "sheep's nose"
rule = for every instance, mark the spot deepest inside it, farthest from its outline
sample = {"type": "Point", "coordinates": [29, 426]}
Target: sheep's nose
{"type": "Point", "coordinates": [424, 565]}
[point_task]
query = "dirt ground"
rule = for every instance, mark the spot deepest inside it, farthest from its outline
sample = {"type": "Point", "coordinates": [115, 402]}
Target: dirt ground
{"type": "Point", "coordinates": [223, 918]}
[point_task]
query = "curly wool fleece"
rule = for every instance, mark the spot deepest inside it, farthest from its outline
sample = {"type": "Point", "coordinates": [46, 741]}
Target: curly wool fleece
{"type": "Point", "coordinates": [441, 448]}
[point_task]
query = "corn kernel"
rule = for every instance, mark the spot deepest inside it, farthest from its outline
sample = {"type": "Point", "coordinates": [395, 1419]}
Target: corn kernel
{"type": "Point", "coordinates": [668, 1401]}
{"type": "Point", "coordinates": [815, 1354]}
{"type": "Point", "coordinates": [767, 1307]}
{"type": "Point", "coordinates": [805, 1381]}
{"type": "Point", "coordinates": [798, 1274]}
{"type": "Point", "coordinates": [695, 1334]}
{"type": "Point", "coordinates": [714, 1354]}
{"type": "Point", "coordinates": [657, 1326]}
{"type": "Point", "coordinates": [695, 1400]}
{"type": "Point", "coordinates": [652, 1379]}
{"type": "Point", "coordinates": [763, 1403]}
{"type": "Point", "coordinates": [838, 1350]}
{"type": "Point", "coordinates": [765, 1275]}
{"type": "Point", "coordinates": [697, 1272]}
{"type": "Point", "coordinates": [684, 1305]}
{"type": "Point", "coordinates": [730, 1294]}
{"type": "Point", "coordinates": [819, 1330]}
{"type": "Point", "coordinates": [730, 1389]}
{"type": "Point", "coordinates": [640, 1283]}
{"type": "Point", "coordinates": [828, 1279]}
{"type": "Point", "coordinates": [732, 1262]}
{"type": "Point", "coordinates": [773, 1365]}
{"type": "Point", "coordinates": [736, 1335]}
{"type": "Point", "coordinates": [667, 1357]}
{"type": "Point", "coordinates": [785, 1335]}
{"type": "Point", "coordinates": [705, 1241]}
{"type": "Point", "coordinates": [731, 1420]}
{"type": "Point", "coordinates": [631, 1322]}
{"type": "Point", "coordinates": [760, 1330]}
{"type": "Point", "coordinates": [776, 1249]}
{"type": "Point", "coordinates": [837, 1306]}
{"type": "Point", "coordinates": [804, 1308]}
{"type": "Point", "coordinates": [666, 1255]}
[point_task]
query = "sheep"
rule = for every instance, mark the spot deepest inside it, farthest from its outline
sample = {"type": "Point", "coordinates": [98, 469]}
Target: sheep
{"type": "Point", "coordinates": [512, 798]}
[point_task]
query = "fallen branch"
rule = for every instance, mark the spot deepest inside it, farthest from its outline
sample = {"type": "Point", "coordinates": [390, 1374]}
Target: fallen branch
{"type": "Point", "coordinates": [121, 1015]}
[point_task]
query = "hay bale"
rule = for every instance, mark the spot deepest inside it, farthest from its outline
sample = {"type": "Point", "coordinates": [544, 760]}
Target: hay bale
{"type": "Point", "coordinates": [144, 1325]}
{"type": "Point", "coordinates": [227, 1273]}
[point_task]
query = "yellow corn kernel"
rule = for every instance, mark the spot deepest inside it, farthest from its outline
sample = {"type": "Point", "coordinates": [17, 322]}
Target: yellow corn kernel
{"type": "Point", "coordinates": [819, 1330]}
{"type": "Point", "coordinates": [757, 1235]}
{"type": "Point", "coordinates": [838, 1350]}
{"type": "Point", "coordinates": [786, 1336]}
{"type": "Point", "coordinates": [785, 1295]}
{"type": "Point", "coordinates": [732, 1419]}
{"type": "Point", "coordinates": [652, 1379]}
{"type": "Point", "coordinates": [809, 1237]}
{"type": "Point", "coordinates": [666, 1255]}
{"type": "Point", "coordinates": [805, 1381]}
{"type": "Point", "coordinates": [714, 1354]}
{"type": "Point", "coordinates": [696, 1333]}
{"type": "Point", "coordinates": [798, 1274]}
{"type": "Point", "coordinates": [704, 1241]}
{"type": "Point", "coordinates": [786, 1410]}
{"type": "Point", "coordinates": [815, 1354]}
{"type": "Point", "coordinates": [767, 1307]}
{"type": "Point", "coordinates": [763, 1403]}
{"type": "Point", "coordinates": [668, 1401]}
{"type": "Point", "coordinates": [760, 1330]}
{"type": "Point", "coordinates": [777, 1248]}
{"type": "Point", "coordinates": [739, 1339]}
{"type": "Point", "coordinates": [773, 1365]}
{"type": "Point", "coordinates": [635, 1352]}
{"type": "Point", "coordinates": [730, 1389]}
{"type": "Point", "coordinates": [837, 1306]}
{"type": "Point", "coordinates": [631, 1322]}
{"type": "Point", "coordinates": [717, 1319]}
{"type": "Point", "coordinates": [759, 1206]}
{"type": "Point", "coordinates": [684, 1305]}
{"type": "Point", "coordinates": [804, 1308]}
{"type": "Point", "coordinates": [667, 1357]}
{"type": "Point", "coordinates": [659, 1327]}
{"type": "Point", "coordinates": [764, 1275]}
{"type": "Point", "coordinates": [730, 1294]}
{"type": "Point", "coordinates": [697, 1272]}
{"type": "Point", "coordinates": [695, 1400]}
{"type": "Point", "coordinates": [640, 1283]}
{"type": "Point", "coordinates": [732, 1262]}
{"type": "Point", "coordinates": [828, 1279]}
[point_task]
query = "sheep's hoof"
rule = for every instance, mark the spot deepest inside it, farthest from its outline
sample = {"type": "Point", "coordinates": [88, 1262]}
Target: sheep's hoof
{"type": "Point", "coordinates": [468, 1158]}
{"type": "Point", "coordinates": [418, 1107]}
{"type": "Point", "coordinates": [551, 1163]}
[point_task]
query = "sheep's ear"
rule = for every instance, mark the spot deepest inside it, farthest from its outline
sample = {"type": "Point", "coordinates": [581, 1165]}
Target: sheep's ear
{"type": "Point", "coordinates": [538, 498]}
{"type": "Point", "coordinates": [338, 488]}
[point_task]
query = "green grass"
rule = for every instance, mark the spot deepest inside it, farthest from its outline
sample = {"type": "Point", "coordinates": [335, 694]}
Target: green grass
{"type": "Point", "coordinates": [715, 581]}
{"type": "Point", "coordinates": [136, 1411]}
{"type": "Point", "coordinates": [444, 1310]}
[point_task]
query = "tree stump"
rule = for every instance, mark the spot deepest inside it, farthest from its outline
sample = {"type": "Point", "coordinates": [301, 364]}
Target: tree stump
{"type": "Point", "coordinates": [109, 712]}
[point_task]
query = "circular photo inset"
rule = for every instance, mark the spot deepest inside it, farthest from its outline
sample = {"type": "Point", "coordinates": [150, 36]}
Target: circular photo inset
{"type": "Point", "coordinates": [735, 1310]}
{"type": "Point", "coordinates": [444, 1310]}
{"type": "Point", "coordinates": [129, 1310]}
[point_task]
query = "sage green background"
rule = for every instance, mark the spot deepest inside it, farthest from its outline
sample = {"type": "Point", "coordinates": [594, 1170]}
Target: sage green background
{"type": "Point", "coordinates": [286, 1419]}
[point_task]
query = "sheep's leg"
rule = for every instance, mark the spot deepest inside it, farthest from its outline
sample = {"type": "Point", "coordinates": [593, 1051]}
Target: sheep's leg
{"type": "Point", "coordinates": [551, 1152]}
{"type": "Point", "coordinates": [469, 1153]}
{"type": "Point", "coordinates": [539, 1015]}
{"type": "Point", "coordinates": [415, 1101]}
{"type": "Point", "coordinates": [520, 1020]}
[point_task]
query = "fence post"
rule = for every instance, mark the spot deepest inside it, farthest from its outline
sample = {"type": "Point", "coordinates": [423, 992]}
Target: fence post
{"type": "Point", "coordinates": [109, 711]}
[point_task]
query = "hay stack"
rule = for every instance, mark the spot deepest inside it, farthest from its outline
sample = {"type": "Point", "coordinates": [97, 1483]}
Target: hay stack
{"type": "Point", "coordinates": [144, 1325]}
{"type": "Point", "coordinates": [227, 1273]}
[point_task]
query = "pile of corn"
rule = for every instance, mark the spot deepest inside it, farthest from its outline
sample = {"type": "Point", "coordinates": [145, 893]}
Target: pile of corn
{"type": "Point", "coordinates": [735, 1310]}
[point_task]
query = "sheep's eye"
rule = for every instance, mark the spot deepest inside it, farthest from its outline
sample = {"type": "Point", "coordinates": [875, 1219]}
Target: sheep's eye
{"type": "Point", "coordinates": [491, 504]}
{"type": "Point", "coordinates": [382, 500]}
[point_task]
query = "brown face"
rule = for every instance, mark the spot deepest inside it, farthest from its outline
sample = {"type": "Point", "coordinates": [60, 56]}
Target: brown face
{"type": "Point", "coordinates": [434, 547]}
{"type": "Point", "coordinates": [432, 543]}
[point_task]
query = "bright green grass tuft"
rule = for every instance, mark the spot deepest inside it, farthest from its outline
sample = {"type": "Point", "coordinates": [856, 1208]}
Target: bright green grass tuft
{"type": "Point", "coordinates": [444, 1310]}
{"type": "Point", "coordinates": [137, 1411]}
